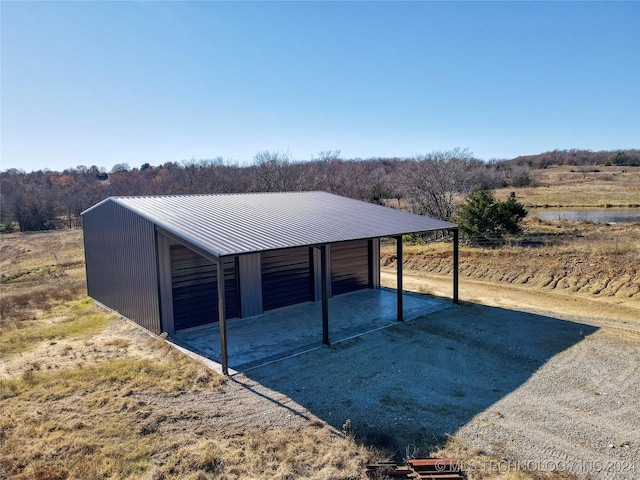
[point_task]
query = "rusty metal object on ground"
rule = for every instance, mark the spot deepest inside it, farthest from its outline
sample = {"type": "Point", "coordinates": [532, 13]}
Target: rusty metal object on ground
{"type": "Point", "coordinates": [415, 469]}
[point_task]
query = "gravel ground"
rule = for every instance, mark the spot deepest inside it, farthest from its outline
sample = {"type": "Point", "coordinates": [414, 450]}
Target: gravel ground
{"type": "Point", "coordinates": [540, 392]}
{"type": "Point", "coordinates": [579, 412]}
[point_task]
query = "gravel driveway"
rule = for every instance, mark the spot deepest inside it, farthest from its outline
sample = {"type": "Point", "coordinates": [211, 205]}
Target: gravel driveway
{"type": "Point", "coordinates": [538, 391]}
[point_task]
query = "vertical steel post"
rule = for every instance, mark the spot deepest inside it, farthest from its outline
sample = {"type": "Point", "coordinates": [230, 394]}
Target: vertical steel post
{"type": "Point", "coordinates": [455, 265]}
{"type": "Point", "coordinates": [399, 276]}
{"type": "Point", "coordinates": [325, 295]}
{"type": "Point", "coordinates": [222, 320]}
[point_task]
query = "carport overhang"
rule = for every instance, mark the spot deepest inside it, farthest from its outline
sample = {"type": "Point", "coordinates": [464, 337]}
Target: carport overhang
{"type": "Point", "coordinates": [325, 281]}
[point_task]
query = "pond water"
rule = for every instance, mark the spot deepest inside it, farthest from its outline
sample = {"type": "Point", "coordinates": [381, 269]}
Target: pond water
{"type": "Point", "coordinates": [611, 215]}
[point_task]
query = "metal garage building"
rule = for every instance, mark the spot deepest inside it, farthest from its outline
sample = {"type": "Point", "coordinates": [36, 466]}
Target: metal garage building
{"type": "Point", "coordinates": [175, 262]}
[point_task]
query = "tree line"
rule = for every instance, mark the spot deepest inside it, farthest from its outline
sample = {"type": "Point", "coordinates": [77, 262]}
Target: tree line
{"type": "Point", "coordinates": [580, 158]}
{"type": "Point", "coordinates": [431, 184]}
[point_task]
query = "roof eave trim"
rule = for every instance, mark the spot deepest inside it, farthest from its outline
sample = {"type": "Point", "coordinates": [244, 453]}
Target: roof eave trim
{"type": "Point", "coordinates": [108, 199]}
{"type": "Point", "coordinates": [190, 244]}
{"type": "Point", "coordinates": [187, 241]}
{"type": "Point", "coordinates": [449, 228]}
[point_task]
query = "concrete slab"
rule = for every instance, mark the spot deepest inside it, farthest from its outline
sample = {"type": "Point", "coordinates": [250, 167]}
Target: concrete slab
{"type": "Point", "coordinates": [288, 331]}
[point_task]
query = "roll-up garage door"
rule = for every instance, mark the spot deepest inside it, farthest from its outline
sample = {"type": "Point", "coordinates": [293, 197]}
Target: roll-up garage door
{"type": "Point", "coordinates": [349, 266]}
{"type": "Point", "coordinates": [195, 288]}
{"type": "Point", "coordinates": [286, 277]}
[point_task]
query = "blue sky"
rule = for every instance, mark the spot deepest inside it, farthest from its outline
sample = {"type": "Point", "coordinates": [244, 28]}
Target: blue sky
{"type": "Point", "coordinates": [101, 83]}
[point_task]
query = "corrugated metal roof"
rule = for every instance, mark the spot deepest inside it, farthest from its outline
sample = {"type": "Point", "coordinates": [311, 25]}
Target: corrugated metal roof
{"type": "Point", "coordinates": [241, 223]}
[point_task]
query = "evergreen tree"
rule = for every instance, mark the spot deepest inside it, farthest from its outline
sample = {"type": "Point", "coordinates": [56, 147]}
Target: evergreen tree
{"type": "Point", "coordinates": [483, 219]}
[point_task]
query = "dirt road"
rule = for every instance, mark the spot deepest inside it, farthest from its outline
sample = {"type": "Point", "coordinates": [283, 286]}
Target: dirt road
{"type": "Point", "coordinates": [601, 311]}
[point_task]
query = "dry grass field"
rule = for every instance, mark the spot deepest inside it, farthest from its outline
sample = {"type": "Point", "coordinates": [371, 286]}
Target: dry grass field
{"type": "Point", "coordinates": [85, 394]}
{"type": "Point", "coordinates": [565, 186]}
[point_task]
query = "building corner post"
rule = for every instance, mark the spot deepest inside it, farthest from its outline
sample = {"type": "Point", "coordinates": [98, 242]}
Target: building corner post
{"type": "Point", "coordinates": [455, 265]}
{"type": "Point", "coordinates": [222, 318]}
{"type": "Point", "coordinates": [399, 288]}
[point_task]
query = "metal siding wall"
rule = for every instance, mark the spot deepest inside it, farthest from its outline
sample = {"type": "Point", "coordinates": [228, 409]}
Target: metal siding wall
{"type": "Point", "coordinates": [250, 284]}
{"type": "Point", "coordinates": [375, 262]}
{"type": "Point", "coordinates": [231, 297]}
{"type": "Point", "coordinates": [120, 253]}
{"type": "Point", "coordinates": [195, 288]}
{"type": "Point", "coordinates": [317, 274]}
{"type": "Point", "coordinates": [328, 269]}
{"type": "Point", "coordinates": [286, 277]}
{"type": "Point", "coordinates": [349, 266]}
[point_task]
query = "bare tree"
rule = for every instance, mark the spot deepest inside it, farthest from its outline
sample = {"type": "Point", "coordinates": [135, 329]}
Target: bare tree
{"type": "Point", "coordinates": [120, 167]}
{"type": "Point", "coordinates": [328, 155]}
{"type": "Point", "coordinates": [436, 182]}
{"type": "Point", "coordinates": [330, 171]}
{"type": "Point", "coordinates": [272, 172]}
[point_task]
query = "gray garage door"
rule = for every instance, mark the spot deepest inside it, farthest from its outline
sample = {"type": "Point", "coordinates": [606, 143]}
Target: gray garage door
{"type": "Point", "coordinates": [195, 288]}
{"type": "Point", "coordinates": [286, 277]}
{"type": "Point", "coordinates": [350, 266]}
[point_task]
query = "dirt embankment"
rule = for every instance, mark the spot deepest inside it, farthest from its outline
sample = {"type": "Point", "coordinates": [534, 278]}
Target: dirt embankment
{"type": "Point", "coordinates": [585, 275]}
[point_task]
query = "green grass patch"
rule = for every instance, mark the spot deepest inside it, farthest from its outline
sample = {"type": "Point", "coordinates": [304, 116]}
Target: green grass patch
{"type": "Point", "coordinates": [48, 270]}
{"type": "Point", "coordinates": [175, 374]}
{"type": "Point", "coordinates": [80, 319]}
{"type": "Point", "coordinates": [21, 306]}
